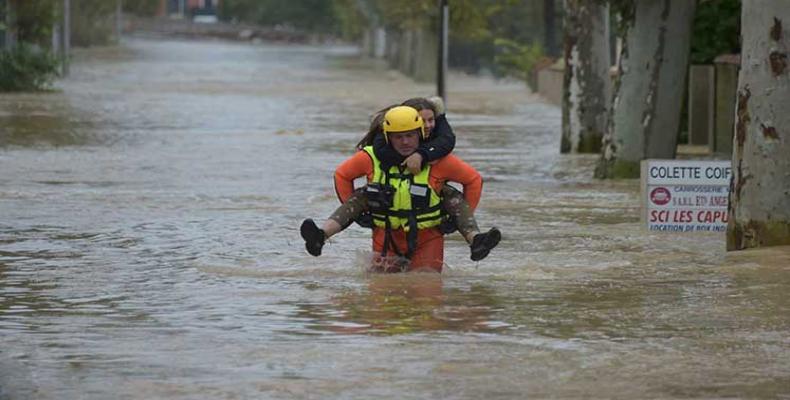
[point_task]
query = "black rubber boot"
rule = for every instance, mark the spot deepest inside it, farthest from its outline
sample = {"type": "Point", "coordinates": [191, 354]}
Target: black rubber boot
{"type": "Point", "coordinates": [314, 237]}
{"type": "Point", "coordinates": [483, 243]}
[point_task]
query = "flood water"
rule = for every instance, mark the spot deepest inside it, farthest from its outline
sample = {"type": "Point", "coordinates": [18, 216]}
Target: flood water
{"type": "Point", "coordinates": [149, 248]}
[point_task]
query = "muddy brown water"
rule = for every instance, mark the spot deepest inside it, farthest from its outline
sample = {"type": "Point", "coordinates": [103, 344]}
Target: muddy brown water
{"type": "Point", "coordinates": [149, 248]}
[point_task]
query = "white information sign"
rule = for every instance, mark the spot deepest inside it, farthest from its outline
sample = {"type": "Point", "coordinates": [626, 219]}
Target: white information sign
{"type": "Point", "coordinates": [685, 196]}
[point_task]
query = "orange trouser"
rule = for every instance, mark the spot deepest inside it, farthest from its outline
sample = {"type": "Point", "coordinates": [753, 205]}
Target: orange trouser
{"type": "Point", "coordinates": [429, 252]}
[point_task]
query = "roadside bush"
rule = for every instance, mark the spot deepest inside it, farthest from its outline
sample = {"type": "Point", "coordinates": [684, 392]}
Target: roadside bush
{"type": "Point", "coordinates": [27, 68]}
{"type": "Point", "coordinates": [518, 59]}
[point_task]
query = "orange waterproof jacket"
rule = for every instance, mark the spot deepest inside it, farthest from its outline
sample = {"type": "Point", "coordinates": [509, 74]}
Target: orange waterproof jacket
{"type": "Point", "coordinates": [448, 168]}
{"type": "Point", "coordinates": [430, 242]}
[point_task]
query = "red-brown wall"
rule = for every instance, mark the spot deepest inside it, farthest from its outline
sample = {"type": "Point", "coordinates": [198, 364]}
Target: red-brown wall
{"type": "Point", "coordinates": [189, 4]}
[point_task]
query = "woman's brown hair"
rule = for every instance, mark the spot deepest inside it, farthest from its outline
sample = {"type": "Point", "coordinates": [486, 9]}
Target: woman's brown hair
{"type": "Point", "coordinates": [374, 129]}
{"type": "Point", "coordinates": [418, 103]}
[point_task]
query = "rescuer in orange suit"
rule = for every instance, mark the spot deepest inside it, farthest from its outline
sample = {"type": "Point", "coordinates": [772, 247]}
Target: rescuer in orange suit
{"type": "Point", "coordinates": [406, 208]}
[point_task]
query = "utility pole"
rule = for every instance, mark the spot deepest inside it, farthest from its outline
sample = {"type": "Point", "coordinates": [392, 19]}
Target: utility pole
{"type": "Point", "coordinates": [118, 20]}
{"type": "Point", "coordinates": [441, 73]}
{"type": "Point", "coordinates": [549, 27]}
{"type": "Point", "coordinates": [66, 36]}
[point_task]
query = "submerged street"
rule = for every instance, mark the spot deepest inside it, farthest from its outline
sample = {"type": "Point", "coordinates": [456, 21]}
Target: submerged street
{"type": "Point", "coordinates": [149, 248]}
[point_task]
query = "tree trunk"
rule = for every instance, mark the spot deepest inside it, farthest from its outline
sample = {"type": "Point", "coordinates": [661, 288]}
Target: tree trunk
{"type": "Point", "coordinates": [118, 20]}
{"type": "Point", "coordinates": [759, 208]}
{"type": "Point", "coordinates": [586, 85]}
{"type": "Point", "coordinates": [649, 87]}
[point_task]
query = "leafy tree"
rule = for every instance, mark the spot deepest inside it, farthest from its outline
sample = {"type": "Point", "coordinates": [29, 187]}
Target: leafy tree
{"type": "Point", "coordinates": [716, 30]}
{"type": "Point", "coordinates": [34, 20]}
{"type": "Point", "coordinates": [406, 14]}
{"type": "Point", "coordinates": [307, 15]}
{"type": "Point", "coordinates": [505, 36]}
{"type": "Point", "coordinates": [352, 20]}
{"type": "Point", "coordinates": [92, 20]}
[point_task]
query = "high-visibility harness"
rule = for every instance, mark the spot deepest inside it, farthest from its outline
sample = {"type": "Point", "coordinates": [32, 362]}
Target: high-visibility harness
{"type": "Point", "coordinates": [401, 200]}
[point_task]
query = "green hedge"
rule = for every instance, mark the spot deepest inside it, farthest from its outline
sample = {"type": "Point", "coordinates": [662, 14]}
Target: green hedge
{"type": "Point", "coordinates": [26, 68]}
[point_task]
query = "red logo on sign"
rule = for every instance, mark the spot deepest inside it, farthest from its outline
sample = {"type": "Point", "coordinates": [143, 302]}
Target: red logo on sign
{"type": "Point", "coordinates": [660, 196]}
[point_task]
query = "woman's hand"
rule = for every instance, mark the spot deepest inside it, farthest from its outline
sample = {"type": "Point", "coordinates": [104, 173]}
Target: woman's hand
{"type": "Point", "coordinates": [413, 163]}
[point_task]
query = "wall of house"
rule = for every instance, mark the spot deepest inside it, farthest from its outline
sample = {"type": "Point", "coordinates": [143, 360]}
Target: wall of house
{"type": "Point", "coordinates": [172, 7]}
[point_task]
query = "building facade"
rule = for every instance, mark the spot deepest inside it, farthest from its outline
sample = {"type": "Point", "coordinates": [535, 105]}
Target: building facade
{"type": "Point", "coordinates": [187, 8]}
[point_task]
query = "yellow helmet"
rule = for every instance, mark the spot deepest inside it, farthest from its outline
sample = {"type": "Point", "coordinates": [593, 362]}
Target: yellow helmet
{"type": "Point", "coordinates": [402, 119]}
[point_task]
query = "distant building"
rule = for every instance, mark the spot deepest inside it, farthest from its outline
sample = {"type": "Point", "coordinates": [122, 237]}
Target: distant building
{"type": "Point", "coordinates": [187, 8]}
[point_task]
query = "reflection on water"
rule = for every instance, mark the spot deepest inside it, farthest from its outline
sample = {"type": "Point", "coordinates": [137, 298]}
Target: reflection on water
{"type": "Point", "coordinates": [23, 122]}
{"type": "Point", "coordinates": [149, 249]}
{"type": "Point", "coordinates": [406, 303]}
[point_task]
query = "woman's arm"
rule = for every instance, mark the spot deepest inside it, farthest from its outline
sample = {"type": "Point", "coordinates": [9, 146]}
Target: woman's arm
{"type": "Point", "coordinates": [440, 143]}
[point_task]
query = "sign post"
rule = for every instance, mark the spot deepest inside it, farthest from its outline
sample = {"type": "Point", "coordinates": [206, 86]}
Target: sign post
{"type": "Point", "coordinates": [685, 196]}
{"type": "Point", "coordinates": [66, 36]}
{"type": "Point", "coordinates": [441, 73]}
{"type": "Point", "coordinates": [118, 20]}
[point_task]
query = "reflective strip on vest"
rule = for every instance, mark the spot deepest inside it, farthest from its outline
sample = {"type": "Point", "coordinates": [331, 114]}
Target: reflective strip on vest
{"type": "Point", "coordinates": [402, 207]}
